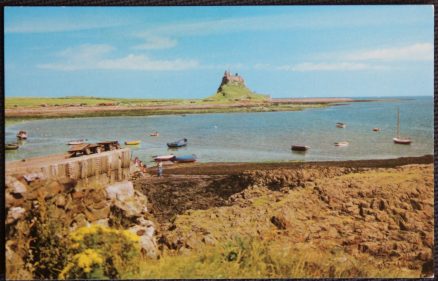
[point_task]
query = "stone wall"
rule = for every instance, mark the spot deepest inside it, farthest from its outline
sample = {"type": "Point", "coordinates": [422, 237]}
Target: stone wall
{"type": "Point", "coordinates": [106, 167]}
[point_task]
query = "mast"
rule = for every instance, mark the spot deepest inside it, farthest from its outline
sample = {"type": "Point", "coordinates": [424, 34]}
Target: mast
{"type": "Point", "coordinates": [398, 122]}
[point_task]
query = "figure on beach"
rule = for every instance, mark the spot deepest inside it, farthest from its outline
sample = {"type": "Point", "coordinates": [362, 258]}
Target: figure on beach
{"type": "Point", "coordinates": [160, 169]}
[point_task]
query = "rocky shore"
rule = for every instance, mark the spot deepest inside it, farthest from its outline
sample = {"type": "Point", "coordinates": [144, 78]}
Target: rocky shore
{"type": "Point", "coordinates": [380, 210]}
{"type": "Point", "coordinates": [374, 212]}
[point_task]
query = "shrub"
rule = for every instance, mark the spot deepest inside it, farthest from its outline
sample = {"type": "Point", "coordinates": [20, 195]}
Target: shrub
{"type": "Point", "coordinates": [101, 252]}
{"type": "Point", "coordinates": [49, 245]}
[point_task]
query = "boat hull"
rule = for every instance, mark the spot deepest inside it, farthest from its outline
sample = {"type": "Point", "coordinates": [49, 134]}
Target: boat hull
{"type": "Point", "coordinates": [164, 158]}
{"type": "Point", "coordinates": [402, 141]}
{"type": "Point", "coordinates": [11, 147]}
{"type": "Point", "coordinates": [176, 144]}
{"type": "Point", "coordinates": [341, 143]}
{"type": "Point", "coordinates": [185, 158]}
{"type": "Point", "coordinates": [132, 142]}
{"type": "Point", "coordinates": [300, 147]}
{"type": "Point", "coordinates": [76, 142]}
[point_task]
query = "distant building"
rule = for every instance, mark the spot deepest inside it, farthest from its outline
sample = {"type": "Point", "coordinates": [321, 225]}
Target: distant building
{"type": "Point", "coordinates": [230, 78]}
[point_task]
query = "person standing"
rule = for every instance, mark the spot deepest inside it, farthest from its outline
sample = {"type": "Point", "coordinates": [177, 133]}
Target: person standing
{"type": "Point", "coordinates": [160, 169]}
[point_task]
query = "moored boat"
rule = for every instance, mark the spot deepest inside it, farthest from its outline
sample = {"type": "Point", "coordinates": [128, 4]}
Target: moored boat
{"type": "Point", "coordinates": [398, 139]}
{"type": "Point", "coordinates": [164, 157]}
{"type": "Point", "coordinates": [185, 158]}
{"type": "Point", "coordinates": [376, 129]}
{"type": "Point", "coordinates": [299, 147]}
{"type": "Point", "coordinates": [402, 140]}
{"type": "Point", "coordinates": [341, 125]}
{"type": "Point", "coordinates": [133, 142]}
{"type": "Point", "coordinates": [154, 134]}
{"type": "Point", "coordinates": [342, 143]}
{"type": "Point", "coordinates": [22, 135]}
{"type": "Point", "coordinates": [74, 142]}
{"type": "Point", "coordinates": [178, 143]}
{"type": "Point", "coordinates": [11, 146]}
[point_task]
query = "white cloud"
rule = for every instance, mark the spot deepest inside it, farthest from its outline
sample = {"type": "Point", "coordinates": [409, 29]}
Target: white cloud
{"type": "Point", "coordinates": [414, 52]}
{"type": "Point", "coordinates": [56, 25]}
{"type": "Point", "coordinates": [338, 66]}
{"type": "Point", "coordinates": [156, 43]}
{"type": "Point", "coordinates": [95, 57]}
{"type": "Point", "coordinates": [140, 62]}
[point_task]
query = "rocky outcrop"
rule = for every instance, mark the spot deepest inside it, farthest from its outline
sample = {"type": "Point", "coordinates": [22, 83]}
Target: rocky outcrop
{"type": "Point", "coordinates": [385, 214]}
{"type": "Point", "coordinates": [117, 205]}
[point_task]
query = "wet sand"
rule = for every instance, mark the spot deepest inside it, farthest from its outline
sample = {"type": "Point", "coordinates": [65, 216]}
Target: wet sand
{"type": "Point", "coordinates": [236, 168]}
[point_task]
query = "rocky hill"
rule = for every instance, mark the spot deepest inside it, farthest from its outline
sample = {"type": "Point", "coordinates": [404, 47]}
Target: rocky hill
{"type": "Point", "coordinates": [233, 88]}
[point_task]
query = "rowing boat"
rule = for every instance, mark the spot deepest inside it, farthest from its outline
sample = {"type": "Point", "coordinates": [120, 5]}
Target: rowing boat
{"type": "Point", "coordinates": [134, 142]}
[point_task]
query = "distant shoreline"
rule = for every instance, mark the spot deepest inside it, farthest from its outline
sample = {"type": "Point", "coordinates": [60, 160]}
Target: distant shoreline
{"type": "Point", "coordinates": [20, 110]}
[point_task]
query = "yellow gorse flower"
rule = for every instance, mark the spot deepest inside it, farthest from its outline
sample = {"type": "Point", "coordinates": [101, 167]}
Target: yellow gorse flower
{"type": "Point", "coordinates": [87, 259]}
{"type": "Point", "coordinates": [130, 236]}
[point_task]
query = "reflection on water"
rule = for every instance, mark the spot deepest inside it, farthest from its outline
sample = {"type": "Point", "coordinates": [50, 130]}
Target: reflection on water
{"type": "Point", "coordinates": [235, 137]}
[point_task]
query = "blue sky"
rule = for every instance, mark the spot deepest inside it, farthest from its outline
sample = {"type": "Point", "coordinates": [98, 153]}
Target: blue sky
{"type": "Point", "coordinates": [182, 52]}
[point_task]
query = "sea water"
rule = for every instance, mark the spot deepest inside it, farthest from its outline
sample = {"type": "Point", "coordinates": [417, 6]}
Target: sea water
{"type": "Point", "coordinates": [249, 137]}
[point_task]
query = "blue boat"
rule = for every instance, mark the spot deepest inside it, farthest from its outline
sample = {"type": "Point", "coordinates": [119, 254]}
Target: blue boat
{"type": "Point", "coordinates": [178, 143]}
{"type": "Point", "coordinates": [185, 158]}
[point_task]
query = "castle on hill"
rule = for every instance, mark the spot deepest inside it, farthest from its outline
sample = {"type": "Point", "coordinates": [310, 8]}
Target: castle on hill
{"type": "Point", "coordinates": [230, 78]}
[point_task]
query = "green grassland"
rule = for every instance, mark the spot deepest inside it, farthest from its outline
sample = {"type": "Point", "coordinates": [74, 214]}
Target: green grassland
{"type": "Point", "coordinates": [90, 101]}
{"type": "Point", "coordinates": [236, 92]}
{"type": "Point", "coordinates": [246, 102]}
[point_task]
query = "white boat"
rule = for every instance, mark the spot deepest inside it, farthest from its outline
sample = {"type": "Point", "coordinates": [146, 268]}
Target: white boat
{"type": "Point", "coordinates": [74, 142]}
{"type": "Point", "coordinates": [398, 139]}
{"type": "Point", "coordinates": [164, 157]}
{"type": "Point", "coordinates": [341, 125]}
{"type": "Point", "coordinates": [342, 143]}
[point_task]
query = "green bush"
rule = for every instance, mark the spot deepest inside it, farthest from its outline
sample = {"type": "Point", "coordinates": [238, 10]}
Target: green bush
{"type": "Point", "coordinates": [99, 252]}
{"type": "Point", "coordinates": [49, 244]}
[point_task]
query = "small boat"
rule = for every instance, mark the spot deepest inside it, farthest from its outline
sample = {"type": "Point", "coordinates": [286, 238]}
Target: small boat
{"type": "Point", "coordinates": [185, 158]}
{"type": "Point", "coordinates": [164, 157]}
{"type": "Point", "coordinates": [134, 142]}
{"type": "Point", "coordinates": [154, 134]}
{"type": "Point", "coordinates": [299, 147]}
{"type": "Point", "coordinates": [342, 143]}
{"type": "Point", "coordinates": [11, 146]}
{"type": "Point", "coordinates": [22, 135]}
{"type": "Point", "coordinates": [341, 125]}
{"type": "Point", "coordinates": [178, 143]}
{"type": "Point", "coordinates": [376, 129]}
{"type": "Point", "coordinates": [398, 139]}
{"type": "Point", "coordinates": [74, 142]}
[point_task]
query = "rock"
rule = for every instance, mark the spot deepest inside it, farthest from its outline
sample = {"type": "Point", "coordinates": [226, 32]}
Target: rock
{"type": "Point", "coordinates": [279, 222]}
{"type": "Point", "coordinates": [79, 221]}
{"type": "Point", "coordinates": [97, 214]}
{"type": "Point", "coordinates": [208, 240]}
{"type": "Point", "coordinates": [103, 222]}
{"type": "Point", "coordinates": [34, 176]}
{"type": "Point", "coordinates": [120, 191]}
{"type": "Point", "coordinates": [416, 205]}
{"type": "Point", "coordinates": [14, 214]}
{"type": "Point", "coordinates": [52, 189]}
{"type": "Point", "coordinates": [11, 201]}
{"type": "Point", "coordinates": [78, 194]}
{"type": "Point", "coordinates": [147, 241]}
{"type": "Point", "coordinates": [60, 201]}
{"type": "Point", "coordinates": [131, 208]}
{"type": "Point", "coordinates": [15, 186]}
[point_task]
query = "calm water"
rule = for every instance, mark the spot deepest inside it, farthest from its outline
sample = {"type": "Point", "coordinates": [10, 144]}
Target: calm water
{"type": "Point", "coordinates": [236, 137]}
